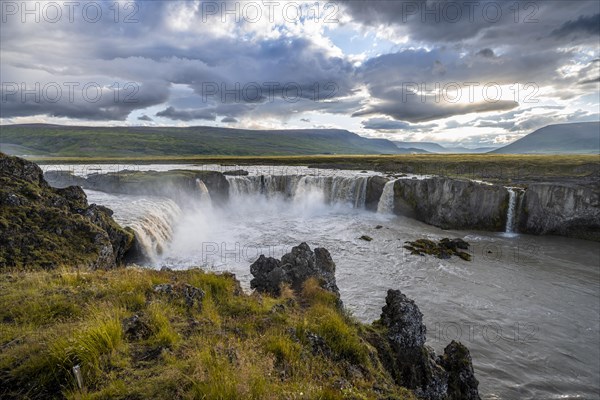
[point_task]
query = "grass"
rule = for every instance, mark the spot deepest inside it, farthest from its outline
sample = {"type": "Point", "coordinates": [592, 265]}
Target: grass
{"type": "Point", "coordinates": [236, 346]}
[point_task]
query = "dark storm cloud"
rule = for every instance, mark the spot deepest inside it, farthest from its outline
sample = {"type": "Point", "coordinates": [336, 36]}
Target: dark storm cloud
{"type": "Point", "coordinates": [145, 118]}
{"type": "Point", "coordinates": [229, 120]}
{"type": "Point", "coordinates": [86, 100]}
{"type": "Point", "coordinates": [588, 25]}
{"type": "Point", "coordinates": [487, 53]}
{"type": "Point", "coordinates": [416, 111]}
{"type": "Point", "coordinates": [444, 21]}
{"type": "Point", "coordinates": [159, 50]}
{"type": "Point", "coordinates": [187, 115]}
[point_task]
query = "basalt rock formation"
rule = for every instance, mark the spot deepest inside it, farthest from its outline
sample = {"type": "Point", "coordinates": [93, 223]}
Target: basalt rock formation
{"type": "Point", "coordinates": [451, 203]}
{"type": "Point", "coordinates": [398, 337]}
{"type": "Point", "coordinates": [294, 269]}
{"type": "Point", "coordinates": [375, 186]}
{"type": "Point", "coordinates": [176, 184]}
{"type": "Point", "coordinates": [400, 341]}
{"type": "Point", "coordinates": [44, 227]}
{"type": "Point", "coordinates": [566, 210]}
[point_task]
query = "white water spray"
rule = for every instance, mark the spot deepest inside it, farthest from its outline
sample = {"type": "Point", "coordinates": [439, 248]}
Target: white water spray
{"type": "Point", "coordinates": [302, 189]}
{"type": "Point", "coordinates": [386, 201]}
{"type": "Point", "coordinates": [511, 212]}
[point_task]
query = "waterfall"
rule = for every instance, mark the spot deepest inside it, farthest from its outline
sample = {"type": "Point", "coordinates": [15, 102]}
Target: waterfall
{"type": "Point", "coordinates": [515, 204]}
{"type": "Point", "coordinates": [386, 201]}
{"type": "Point", "coordinates": [154, 229]}
{"type": "Point", "coordinates": [297, 188]}
{"type": "Point", "coordinates": [204, 193]}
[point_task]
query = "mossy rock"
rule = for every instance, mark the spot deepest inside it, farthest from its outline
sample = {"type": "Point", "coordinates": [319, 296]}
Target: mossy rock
{"type": "Point", "coordinates": [46, 228]}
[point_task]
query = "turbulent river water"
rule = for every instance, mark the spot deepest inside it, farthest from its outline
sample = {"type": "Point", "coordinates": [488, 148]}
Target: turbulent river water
{"type": "Point", "coordinates": [526, 306]}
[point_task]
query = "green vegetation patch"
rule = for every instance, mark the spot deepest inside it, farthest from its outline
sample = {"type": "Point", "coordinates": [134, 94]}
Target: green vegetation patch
{"type": "Point", "coordinates": [133, 334]}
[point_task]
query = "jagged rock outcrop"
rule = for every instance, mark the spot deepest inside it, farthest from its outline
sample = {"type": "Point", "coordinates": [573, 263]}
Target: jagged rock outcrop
{"type": "Point", "coordinates": [452, 203]}
{"type": "Point", "coordinates": [398, 337]}
{"type": "Point", "coordinates": [44, 227]}
{"type": "Point", "coordinates": [179, 185]}
{"type": "Point", "coordinates": [294, 269]}
{"type": "Point", "coordinates": [375, 185]}
{"type": "Point", "coordinates": [462, 384]}
{"type": "Point", "coordinates": [401, 347]}
{"type": "Point", "coordinates": [566, 210]}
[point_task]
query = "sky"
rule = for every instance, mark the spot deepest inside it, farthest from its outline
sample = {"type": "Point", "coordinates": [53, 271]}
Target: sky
{"type": "Point", "coordinates": [477, 73]}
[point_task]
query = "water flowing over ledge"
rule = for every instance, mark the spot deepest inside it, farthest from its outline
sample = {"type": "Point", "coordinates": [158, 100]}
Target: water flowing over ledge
{"type": "Point", "coordinates": [447, 203]}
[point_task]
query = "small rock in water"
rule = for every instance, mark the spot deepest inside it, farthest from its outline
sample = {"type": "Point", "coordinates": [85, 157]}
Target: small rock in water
{"type": "Point", "coordinates": [379, 227]}
{"type": "Point", "coordinates": [366, 238]}
{"type": "Point", "coordinates": [444, 249]}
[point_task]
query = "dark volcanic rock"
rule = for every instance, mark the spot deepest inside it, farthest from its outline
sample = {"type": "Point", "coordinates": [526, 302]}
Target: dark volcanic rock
{"type": "Point", "coordinates": [179, 185]}
{"type": "Point", "coordinates": [43, 227]}
{"type": "Point", "coordinates": [462, 384]}
{"type": "Point", "coordinates": [414, 365]}
{"type": "Point", "coordinates": [558, 209]}
{"type": "Point", "coordinates": [404, 320]}
{"type": "Point", "coordinates": [294, 269]}
{"type": "Point", "coordinates": [237, 172]}
{"type": "Point", "coordinates": [452, 203]}
{"type": "Point", "coordinates": [444, 249]}
{"type": "Point", "coordinates": [268, 275]}
{"type": "Point", "coordinates": [63, 179]}
{"type": "Point", "coordinates": [375, 185]}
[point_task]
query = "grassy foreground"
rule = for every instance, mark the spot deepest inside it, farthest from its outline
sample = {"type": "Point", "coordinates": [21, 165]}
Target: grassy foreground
{"type": "Point", "coordinates": [133, 341]}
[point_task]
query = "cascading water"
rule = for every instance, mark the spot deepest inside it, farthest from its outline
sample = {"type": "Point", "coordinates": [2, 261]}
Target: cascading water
{"type": "Point", "coordinates": [515, 204]}
{"type": "Point", "coordinates": [154, 230]}
{"type": "Point", "coordinates": [204, 193]}
{"type": "Point", "coordinates": [386, 201]}
{"type": "Point", "coordinates": [153, 219]}
{"type": "Point", "coordinates": [330, 190]}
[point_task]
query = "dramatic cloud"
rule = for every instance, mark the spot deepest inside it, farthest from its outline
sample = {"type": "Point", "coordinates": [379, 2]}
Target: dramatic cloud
{"type": "Point", "coordinates": [586, 25]}
{"type": "Point", "coordinates": [187, 115]}
{"type": "Point", "coordinates": [401, 63]}
{"type": "Point", "coordinates": [386, 124]}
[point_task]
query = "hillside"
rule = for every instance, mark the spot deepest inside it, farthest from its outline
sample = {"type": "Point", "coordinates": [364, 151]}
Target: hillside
{"type": "Point", "coordinates": [576, 138]}
{"type": "Point", "coordinates": [79, 141]}
{"type": "Point", "coordinates": [430, 147]}
{"type": "Point", "coordinates": [426, 147]}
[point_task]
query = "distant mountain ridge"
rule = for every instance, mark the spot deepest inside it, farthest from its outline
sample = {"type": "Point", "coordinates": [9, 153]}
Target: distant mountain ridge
{"type": "Point", "coordinates": [82, 141]}
{"type": "Point", "coordinates": [430, 147]}
{"type": "Point", "coordinates": [573, 138]}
